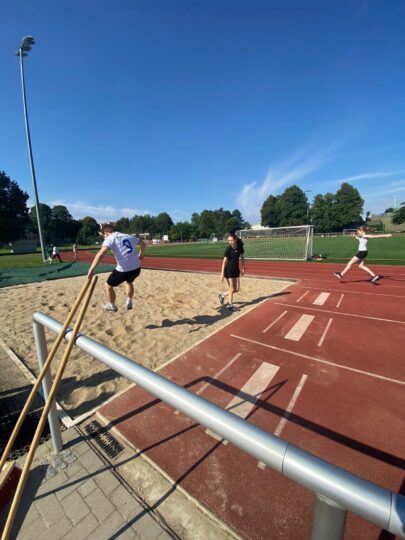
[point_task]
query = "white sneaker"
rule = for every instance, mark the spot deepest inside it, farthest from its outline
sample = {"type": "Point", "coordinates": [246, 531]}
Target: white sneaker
{"type": "Point", "coordinates": [109, 307]}
{"type": "Point", "coordinates": [129, 304]}
{"type": "Point", "coordinates": [221, 299]}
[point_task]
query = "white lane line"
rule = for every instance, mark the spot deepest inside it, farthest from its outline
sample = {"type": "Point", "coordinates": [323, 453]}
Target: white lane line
{"type": "Point", "coordinates": [299, 328]}
{"type": "Point", "coordinates": [321, 299]}
{"type": "Point", "coordinates": [340, 301]}
{"type": "Point", "coordinates": [290, 406]}
{"type": "Point", "coordinates": [307, 357]}
{"type": "Point", "coordinates": [348, 291]}
{"type": "Point", "coordinates": [341, 313]}
{"type": "Point", "coordinates": [301, 297]}
{"type": "Point", "coordinates": [209, 383]}
{"type": "Point", "coordinates": [254, 387]}
{"type": "Point", "coordinates": [274, 322]}
{"type": "Point", "coordinates": [325, 332]}
{"type": "Point", "coordinates": [286, 414]}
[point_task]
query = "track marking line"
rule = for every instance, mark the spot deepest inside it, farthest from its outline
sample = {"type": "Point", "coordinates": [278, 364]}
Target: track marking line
{"type": "Point", "coordinates": [340, 301]}
{"type": "Point", "coordinates": [299, 328]}
{"type": "Point", "coordinates": [341, 313]}
{"type": "Point", "coordinates": [290, 406]}
{"type": "Point", "coordinates": [301, 297]}
{"type": "Point", "coordinates": [274, 322]}
{"type": "Point", "coordinates": [327, 362]}
{"type": "Point", "coordinates": [321, 299]}
{"type": "Point", "coordinates": [325, 332]}
{"type": "Point", "coordinates": [287, 413]}
{"type": "Point", "coordinates": [254, 387]}
{"type": "Point", "coordinates": [349, 291]}
{"type": "Point", "coordinates": [218, 374]}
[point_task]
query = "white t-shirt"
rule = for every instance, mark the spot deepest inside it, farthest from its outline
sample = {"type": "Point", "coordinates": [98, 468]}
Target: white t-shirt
{"type": "Point", "coordinates": [125, 252]}
{"type": "Point", "coordinates": [362, 244]}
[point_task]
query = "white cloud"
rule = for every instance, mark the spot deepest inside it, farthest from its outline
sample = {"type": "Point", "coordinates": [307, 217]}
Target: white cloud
{"type": "Point", "coordinates": [286, 173]}
{"type": "Point", "coordinates": [100, 212]}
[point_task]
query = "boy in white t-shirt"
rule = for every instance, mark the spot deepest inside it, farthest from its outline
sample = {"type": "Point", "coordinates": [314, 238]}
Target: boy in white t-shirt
{"type": "Point", "coordinates": [128, 263]}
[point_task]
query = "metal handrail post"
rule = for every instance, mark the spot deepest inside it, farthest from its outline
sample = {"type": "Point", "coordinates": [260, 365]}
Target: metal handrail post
{"type": "Point", "coordinates": [42, 352]}
{"type": "Point", "coordinates": [329, 520]}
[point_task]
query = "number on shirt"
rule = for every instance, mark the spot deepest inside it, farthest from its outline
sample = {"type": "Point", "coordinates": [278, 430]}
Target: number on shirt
{"type": "Point", "coordinates": [128, 245]}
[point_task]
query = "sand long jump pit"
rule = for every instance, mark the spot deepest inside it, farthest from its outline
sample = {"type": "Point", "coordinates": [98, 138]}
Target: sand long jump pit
{"type": "Point", "coordinates": [172, 312]}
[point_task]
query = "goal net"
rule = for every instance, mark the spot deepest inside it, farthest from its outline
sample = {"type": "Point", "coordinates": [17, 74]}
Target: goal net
{"type": "Point", "coordinates": [278, 243]}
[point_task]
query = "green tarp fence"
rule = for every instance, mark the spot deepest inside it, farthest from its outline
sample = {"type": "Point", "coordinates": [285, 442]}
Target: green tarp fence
{"type": "Point", "coordinates": [17, 276]}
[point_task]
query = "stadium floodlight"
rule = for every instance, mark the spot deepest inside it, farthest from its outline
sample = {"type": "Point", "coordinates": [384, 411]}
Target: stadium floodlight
{"type": "Point", "coordinates": [308, 191]}
{"type": "Point", "coordinates": [24, 48]}
{"type": "Point", "coordinates": [292, 243]}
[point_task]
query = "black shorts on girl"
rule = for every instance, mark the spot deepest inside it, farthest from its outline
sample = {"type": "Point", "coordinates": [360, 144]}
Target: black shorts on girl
{"type": "Point", "coordinates": [361, 254]}
{"type": "Point", "coordinates": [116, 278]}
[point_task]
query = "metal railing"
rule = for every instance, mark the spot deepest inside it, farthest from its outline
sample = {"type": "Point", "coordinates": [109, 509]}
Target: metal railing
{"type": "Point", "coordinates": [337, 491]}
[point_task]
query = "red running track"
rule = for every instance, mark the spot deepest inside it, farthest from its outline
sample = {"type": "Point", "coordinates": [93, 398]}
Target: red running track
{"type": "Point", "coordinates": [330, 357]}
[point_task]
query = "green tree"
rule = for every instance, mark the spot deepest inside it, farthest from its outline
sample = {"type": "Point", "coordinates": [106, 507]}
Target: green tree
{"type": "Point", "coordinates": [64, 227]}
{"type": "Point", "coordinates": [242, 224]}
{"type": "Point", "coordinates": [349, 205]}
{"type": "Point", "coordinates": [89, 229]}
{"type": "Point", "coordinates": [293, 207]}
{"type": "Point", "coordinates": [207, 223]}
{"type": "Point", "coordinates": [163, 223]}
{"type": "Point", "coordinates": [45, 213]}
{"type": "Point", "coordinates": [181, 231]}
{"type": "Point", "coordinates": [270, 215]}
{"type": "Point", "coordinates": [123, 225]}
{"type": "Point", "coordinates": [13, 209]}
{"type": "Point", "coordinates": [398, 216]}
{"type": "Point", "coordinates": [324, 213]}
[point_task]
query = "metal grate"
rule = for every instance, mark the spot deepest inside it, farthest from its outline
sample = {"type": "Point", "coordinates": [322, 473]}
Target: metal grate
{"type": "Point", "coordinates": [109, 445]}
{"type": "Point", "coordinates": [14, 391]}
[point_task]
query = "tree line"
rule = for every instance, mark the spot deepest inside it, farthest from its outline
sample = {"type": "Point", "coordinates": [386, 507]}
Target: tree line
{"type": "Point", "coordinates": [330, 212]}
{"type": "Point", "coordinates": [59, 227]}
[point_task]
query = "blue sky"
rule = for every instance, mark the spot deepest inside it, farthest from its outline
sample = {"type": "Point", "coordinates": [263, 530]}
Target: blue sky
{"type": "Point", "coordinates": [149, 106]}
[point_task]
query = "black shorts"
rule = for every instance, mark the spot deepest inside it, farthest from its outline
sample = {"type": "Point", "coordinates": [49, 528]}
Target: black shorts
{"type": "Point", "coordinates": [116, 278]}
{"type": "Point", "coordinates": [232, 273]}
{"type": "Point", "coordinates": [361, 254]}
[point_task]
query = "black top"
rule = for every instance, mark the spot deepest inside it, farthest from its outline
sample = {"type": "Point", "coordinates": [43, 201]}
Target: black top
{"type": "Point", "coordinates": [233, 254]}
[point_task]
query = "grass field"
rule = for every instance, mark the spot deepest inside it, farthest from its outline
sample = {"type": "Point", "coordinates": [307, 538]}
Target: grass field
{"type": "Point", "coordinates": [337, 249]}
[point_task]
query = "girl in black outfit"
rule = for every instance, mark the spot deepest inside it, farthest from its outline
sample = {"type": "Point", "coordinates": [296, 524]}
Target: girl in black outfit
{"type": "Point", "coordinates": [230, 269]}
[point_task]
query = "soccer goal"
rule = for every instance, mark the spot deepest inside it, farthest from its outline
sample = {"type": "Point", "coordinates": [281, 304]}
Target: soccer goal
{"type": "Point", "coordinates": [278, 243]}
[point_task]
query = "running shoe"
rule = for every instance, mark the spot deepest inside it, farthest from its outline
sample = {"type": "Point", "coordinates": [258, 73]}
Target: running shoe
{"type": "Point", "coordinates": [375, 278]}
{"type": "Point", "coordinates": [129, 304]}
{"type": "Point", "coordinates": [109, 307]}
{"type": "Point", "coordinates": [338, 275]}
{"type": "Point", "coordinates": [221, 298]}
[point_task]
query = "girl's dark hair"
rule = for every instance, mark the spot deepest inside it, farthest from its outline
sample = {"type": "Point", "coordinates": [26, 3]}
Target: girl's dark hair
{"type": "Point", "coordinates": [239, 242]}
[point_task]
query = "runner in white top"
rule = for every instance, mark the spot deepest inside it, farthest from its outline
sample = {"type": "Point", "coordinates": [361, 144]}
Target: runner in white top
{"type": "Point", "coordinates": [362, 237]}
{"type": "Point", "coordinates": [128, 263]}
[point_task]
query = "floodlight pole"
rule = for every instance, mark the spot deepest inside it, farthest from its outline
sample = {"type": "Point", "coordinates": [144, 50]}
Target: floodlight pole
{"type": "Point", "coordinates": [308, 191]}
{"type": "Point", "coordinates": [25, 46]}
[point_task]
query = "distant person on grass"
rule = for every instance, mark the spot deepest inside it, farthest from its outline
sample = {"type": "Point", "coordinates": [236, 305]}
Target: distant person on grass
{"type": "Point", "coordinates": [128, 263]}
{"type": "Point", "coordinates": [55, 254]}
{"type": "Point", "coordinates": [360, 256]}
{"type": "Point", "coordinates": [231, 271]}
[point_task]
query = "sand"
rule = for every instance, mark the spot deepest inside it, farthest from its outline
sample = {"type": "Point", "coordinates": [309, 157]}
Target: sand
{"type": "Point", "coordinates": [172, 311]}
